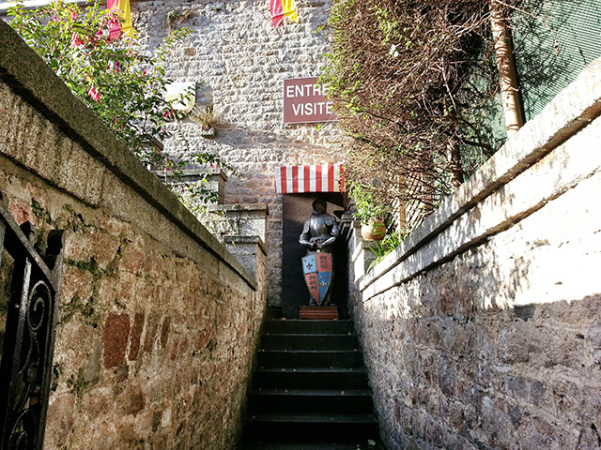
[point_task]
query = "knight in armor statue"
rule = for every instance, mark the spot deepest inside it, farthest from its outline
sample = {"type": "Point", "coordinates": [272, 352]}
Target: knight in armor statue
{"type": "Point", "coordinates": [319, 235]}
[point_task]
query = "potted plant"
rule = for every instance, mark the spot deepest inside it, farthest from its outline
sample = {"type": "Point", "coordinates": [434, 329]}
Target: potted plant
{"type": "Point", "coordinates": [370, 213]}
{"type": "Point", "coordinates": [206, 118]}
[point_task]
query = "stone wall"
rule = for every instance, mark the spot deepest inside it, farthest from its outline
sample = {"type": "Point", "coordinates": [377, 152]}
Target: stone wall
{"type": "Point", "coordinates": [483, 329]}
{"type": "Point", "coordinates": [158, 321]}
{"type": "Point", "coordinates": [242, 61]}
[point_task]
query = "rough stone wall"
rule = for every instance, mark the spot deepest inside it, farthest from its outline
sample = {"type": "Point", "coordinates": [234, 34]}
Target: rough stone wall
{"type": "Point", "coordinates": [243, 61]}
{"type": "Point", "coordinates": [157, 322]}
{"type": "Point", "coordinates": [483, 330]}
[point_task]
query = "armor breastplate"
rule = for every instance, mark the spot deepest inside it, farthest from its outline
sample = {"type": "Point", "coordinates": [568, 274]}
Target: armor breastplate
{"type": "Point", "coordinates": [320, 225]}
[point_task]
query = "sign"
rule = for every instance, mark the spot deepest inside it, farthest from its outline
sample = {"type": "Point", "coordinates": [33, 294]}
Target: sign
{"type": "Point", "coordinates": [317, 268]}
{"type": "Point", "coordinates": [306, 101]}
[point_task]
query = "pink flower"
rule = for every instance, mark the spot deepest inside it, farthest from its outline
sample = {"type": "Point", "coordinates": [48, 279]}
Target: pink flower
{"type": "Point", "coordinates": [114, 28]}
{"type": "Point", "coordinates": [73, 16]}
{"type": "Point", "coordinates": [93, 93]}
{"type": "Point", "coordinates": [76, 41]}
{"type": "Point", "coordinates": [115, 66]}
{"type": "Point", "coordinates": [168, 114]}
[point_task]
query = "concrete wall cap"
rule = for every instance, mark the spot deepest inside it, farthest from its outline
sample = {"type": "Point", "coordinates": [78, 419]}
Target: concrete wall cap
{"type": "Point", "coordinates": [229, 239]}
{"type": "Point", "coordinates": [240, 207]}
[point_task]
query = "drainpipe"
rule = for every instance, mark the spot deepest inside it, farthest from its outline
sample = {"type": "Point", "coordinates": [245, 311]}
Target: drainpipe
{"type": "Point", "coordinates": [510, 94]}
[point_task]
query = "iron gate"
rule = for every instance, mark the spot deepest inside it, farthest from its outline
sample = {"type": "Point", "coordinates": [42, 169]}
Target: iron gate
{"type": "Point", "coordinates": [26, 366]}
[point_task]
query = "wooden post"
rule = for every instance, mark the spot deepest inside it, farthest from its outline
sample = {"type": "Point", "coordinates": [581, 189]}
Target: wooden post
{"type": "Point", "coordinates": [512, 106]}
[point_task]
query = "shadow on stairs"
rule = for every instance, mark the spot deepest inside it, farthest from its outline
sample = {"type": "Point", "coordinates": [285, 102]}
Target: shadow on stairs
{"type": "Point", "coordinates": [310, 389]}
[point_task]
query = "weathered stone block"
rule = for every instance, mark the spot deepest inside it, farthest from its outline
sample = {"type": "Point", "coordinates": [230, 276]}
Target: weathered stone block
{"type": "Point", "coordinates": [136, 336]}
{"type": "Point", "coordinates": [115, 338]}
{"type": "Point", "coordinates": [132, 400]}
{"type": "Point", "coordinates": [61, 413]}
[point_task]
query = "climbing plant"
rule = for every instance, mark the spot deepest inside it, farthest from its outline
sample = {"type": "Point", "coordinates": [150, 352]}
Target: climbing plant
{"type": "Point", "coordinates": [411, 82]}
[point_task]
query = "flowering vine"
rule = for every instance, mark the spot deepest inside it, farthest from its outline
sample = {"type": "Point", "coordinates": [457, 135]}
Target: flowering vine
{"type": "Point", "coordinates": [115, 77]}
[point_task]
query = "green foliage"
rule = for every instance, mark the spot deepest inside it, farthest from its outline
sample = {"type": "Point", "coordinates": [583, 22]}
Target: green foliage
{"type": "Point", "coordinates": [366, 208]}
{"type": "Point", "coordinates": [387, 245]}
{"type": "Point", "coordinates": [190, 195]}
{"type": "Point", "coordinates": [114, 77]}
{"type": "Point", "coordinates": [85, 310]}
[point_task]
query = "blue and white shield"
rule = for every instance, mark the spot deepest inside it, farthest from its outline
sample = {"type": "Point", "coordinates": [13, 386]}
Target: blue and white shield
{"type": "Point", "coordinates": [317, 269]}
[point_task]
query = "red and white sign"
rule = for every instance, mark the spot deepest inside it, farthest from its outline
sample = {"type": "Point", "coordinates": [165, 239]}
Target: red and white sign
{"type": "Point", "coordinates": [306, 101]}
{"type": "Point", "coordinates": [314, 178]}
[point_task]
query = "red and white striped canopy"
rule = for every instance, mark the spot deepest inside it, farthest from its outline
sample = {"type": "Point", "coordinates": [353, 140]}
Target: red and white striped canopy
{"type": "Point", "coordinates": [313, 178]}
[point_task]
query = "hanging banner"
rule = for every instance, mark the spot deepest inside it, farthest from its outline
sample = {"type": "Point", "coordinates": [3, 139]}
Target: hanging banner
{"type": "Point", "coordinates": [281, 8]}
{"type": "Point", "coordinates": [306, 101]}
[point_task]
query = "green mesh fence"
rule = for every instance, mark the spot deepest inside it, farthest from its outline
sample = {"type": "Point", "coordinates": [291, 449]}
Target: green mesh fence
{"type": "Point", "coordinates": [554, 40]}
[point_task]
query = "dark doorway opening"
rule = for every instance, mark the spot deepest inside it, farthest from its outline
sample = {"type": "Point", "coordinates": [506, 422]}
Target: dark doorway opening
{"type": "Point", "coordinates": [296, 210]}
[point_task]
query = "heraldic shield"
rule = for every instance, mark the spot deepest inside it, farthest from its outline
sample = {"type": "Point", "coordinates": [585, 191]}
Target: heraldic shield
{"type": "Point", "coordinates": [317, 269]}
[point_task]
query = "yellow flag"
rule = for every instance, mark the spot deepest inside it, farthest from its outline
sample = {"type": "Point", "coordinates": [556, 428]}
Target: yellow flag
{"type": "Point", "coordinates": [126, 26]}
{"type": "Point", "coordinates": [289, 9]}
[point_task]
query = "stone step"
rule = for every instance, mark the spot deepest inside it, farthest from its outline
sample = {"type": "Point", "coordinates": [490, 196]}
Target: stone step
{"type": "Point", "coordinates": [356, 445]}
{"type": "Point", "coordinates": [310, 390]}
{"type": "Point", "coordinates": [305, 378]}
{"type": "Point", "coordinates": [310, 358]}
{"type": "Point", "coordinates": [318, 313]}
{"type": "Point", "coordinates": [314, 341]}
{"type": "Point", "coordinates": [294, 326]}
{"type": "Point", "coordinates": [310, 400]}
{"type": "Point", "coordinates": [311, 427]}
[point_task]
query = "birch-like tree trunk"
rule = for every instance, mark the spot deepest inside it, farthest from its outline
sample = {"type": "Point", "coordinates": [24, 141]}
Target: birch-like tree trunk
{"type": "Point", "coordinates": [512, 106]}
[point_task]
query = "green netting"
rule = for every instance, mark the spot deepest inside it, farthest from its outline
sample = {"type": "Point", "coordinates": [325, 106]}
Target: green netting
{"type": "Point", "coordinates": [554, 40]}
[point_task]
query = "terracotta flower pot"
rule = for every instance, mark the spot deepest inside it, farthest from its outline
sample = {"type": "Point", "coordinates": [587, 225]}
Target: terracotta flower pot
{"type": "Point", "coordinates": [374, 231]}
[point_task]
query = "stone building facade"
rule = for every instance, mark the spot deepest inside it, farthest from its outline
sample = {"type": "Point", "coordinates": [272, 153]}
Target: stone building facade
{"type": "Point", "coordinates": [239, 62]}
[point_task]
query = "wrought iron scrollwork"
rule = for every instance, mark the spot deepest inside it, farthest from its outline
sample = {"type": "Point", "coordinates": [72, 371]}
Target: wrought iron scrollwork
{"type": "Point", "coordinates": [26, 366]}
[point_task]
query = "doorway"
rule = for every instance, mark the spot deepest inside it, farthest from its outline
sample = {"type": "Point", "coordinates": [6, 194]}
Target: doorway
{"type": "Point", "coordinates": [296, 210]}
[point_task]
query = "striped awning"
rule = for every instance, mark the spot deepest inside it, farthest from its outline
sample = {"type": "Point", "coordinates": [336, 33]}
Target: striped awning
{"type": "Point", "coordinates": [313, 178]}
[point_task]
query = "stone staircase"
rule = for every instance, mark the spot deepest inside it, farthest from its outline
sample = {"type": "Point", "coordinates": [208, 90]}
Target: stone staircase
{"type": "Point", "coordinates": [309, 390]}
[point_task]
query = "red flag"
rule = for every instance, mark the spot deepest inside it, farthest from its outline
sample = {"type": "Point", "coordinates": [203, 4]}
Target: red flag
{"type": "Point", "coordinates": [281, 8]}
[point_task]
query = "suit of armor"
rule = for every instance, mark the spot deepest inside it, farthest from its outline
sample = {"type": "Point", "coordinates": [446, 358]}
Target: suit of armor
{"type": "Point", "coordinates": [319, 235]}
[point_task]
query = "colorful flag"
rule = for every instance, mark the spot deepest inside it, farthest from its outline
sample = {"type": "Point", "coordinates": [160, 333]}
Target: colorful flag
{"type": "Point", "coordinates": [120, 26]}
{"type": "Point", "coordinates": [281, 8]}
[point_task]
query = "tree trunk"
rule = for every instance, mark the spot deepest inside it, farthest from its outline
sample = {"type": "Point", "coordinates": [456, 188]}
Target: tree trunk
{"type": "Point", "coordinates": [512, 106]}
